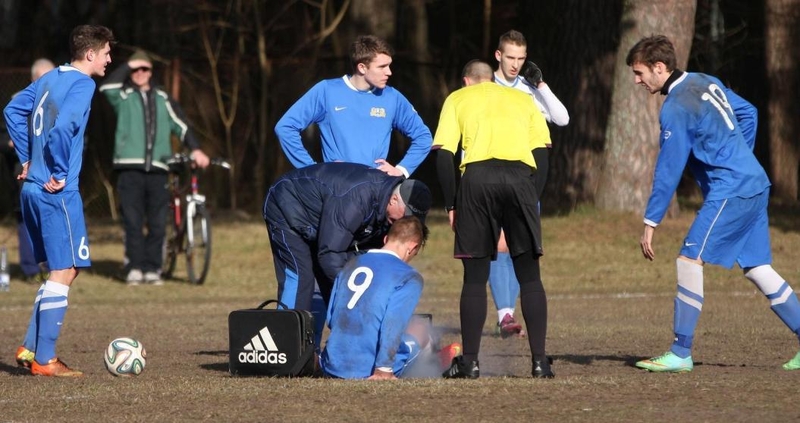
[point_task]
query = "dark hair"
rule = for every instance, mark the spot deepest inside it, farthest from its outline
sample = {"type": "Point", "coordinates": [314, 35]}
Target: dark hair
{"type": "Point", "coordinates": [512, 37]}
{"type": "Point", "coordinates": [89, 37]}
{"type": "Point", "coordinates": [366, 47]}
{"type": "Point", "coordinates": [408, 228]}
{"type": "Point", "coordinates": [477, 70]}
{"type": "Point", "coordinates": [652, 49]}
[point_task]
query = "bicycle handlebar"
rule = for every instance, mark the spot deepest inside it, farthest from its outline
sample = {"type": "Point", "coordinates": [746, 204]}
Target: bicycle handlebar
{"type": "Point", "coordinates": [183, 158]}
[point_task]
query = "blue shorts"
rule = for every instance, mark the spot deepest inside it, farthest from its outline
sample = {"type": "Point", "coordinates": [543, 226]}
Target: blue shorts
{"type": "Point", "coordinates": [56, 226]}
{"type": "Point", "coordinates": [734, 230]}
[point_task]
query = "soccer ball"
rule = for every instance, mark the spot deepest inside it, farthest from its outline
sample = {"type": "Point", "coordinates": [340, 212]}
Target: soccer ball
{"type": "Point", "coordinates": [125, 357]}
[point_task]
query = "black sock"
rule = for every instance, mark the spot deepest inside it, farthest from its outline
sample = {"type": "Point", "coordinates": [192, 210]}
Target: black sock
{"type": "Point", "coordinates": [534, 311]}
{"type": "Point", "coordinates": [534, 302]}
{"type": "Point", "coordinates": [473, 305]}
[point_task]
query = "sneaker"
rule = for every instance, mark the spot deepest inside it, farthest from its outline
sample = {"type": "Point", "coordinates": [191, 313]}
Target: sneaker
{"type": "Point", "coordinates": [793, 364]}
{"type": "Point", "coordinates": [460, 369]}
{"type": "Point", "coordinates": [448, 353]}
{"type": "Point", "coordinates": [541, 369]}
{"type": "Point", "coordinates": [24, 357]}
{"type": "Point", "coordinates": [669, 363]}
{"type": "Point", "coordinates": [509, 327]}
{"type": "Point", "coordinates": [135, 277]}
{"type": "Point", "coordinates": [54, 367]}
{"type": "Point", "coordinates": [153, 278]}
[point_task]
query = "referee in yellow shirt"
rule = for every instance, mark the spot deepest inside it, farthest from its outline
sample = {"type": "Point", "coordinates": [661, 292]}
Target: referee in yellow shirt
{"type": "Point", "coordinates": [497, 127]}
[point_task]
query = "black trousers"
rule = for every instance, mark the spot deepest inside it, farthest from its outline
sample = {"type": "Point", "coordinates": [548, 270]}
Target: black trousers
{"type": "Point", "coordinates": [144, 201]}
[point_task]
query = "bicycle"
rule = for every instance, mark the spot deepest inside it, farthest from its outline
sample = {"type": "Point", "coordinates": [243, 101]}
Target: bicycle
{"type": "Point", "coordinates": [189, 229]}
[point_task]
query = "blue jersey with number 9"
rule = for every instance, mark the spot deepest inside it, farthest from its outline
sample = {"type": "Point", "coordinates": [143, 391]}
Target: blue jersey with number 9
{"type": "Point", "coordinates": [373, 299]}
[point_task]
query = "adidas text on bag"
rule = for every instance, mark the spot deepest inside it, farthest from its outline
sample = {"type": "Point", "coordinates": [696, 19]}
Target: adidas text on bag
{"type": "Point", "coordinates": [262, 349]}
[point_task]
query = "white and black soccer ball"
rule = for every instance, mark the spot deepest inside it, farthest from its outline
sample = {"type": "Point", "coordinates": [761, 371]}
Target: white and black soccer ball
{"type": "Point", "coordinates": [125, 357]}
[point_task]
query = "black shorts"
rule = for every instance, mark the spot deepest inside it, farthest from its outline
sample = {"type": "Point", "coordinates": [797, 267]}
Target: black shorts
{"type": "Point", "coordinates": [497, 194]}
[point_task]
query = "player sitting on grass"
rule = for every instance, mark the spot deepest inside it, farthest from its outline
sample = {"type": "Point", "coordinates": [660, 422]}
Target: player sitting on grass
{"type": "Point", "coordinates": [373, 334]}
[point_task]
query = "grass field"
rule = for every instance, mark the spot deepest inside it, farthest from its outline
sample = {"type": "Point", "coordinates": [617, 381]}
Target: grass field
{"type": "Point", "coordinates": [608, 308]}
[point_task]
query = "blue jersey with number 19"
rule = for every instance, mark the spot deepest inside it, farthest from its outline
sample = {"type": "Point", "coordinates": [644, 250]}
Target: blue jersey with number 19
{"type": "Point", "coordinates": [708, 126]}
{"type": "Point", "coordinates": [54, 111]}
{"type": "Point", "coordinates": [372, 302]}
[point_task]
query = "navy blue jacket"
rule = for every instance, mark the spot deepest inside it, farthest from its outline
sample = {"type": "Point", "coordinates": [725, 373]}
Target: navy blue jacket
{"type": "Point", "coordinates": [336, 206]}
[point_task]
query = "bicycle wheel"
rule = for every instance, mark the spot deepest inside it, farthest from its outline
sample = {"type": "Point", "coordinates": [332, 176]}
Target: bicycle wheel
{"type": "Point", "coordinates": [198, 243]}
{"type": "Point", "coordinates": [171, 249]}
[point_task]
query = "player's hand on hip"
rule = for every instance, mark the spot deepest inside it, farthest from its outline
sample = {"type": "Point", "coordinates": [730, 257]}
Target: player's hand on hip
{"type": "Point", "coordinates": [647, 242]}
{"type": "Point", "coordinates": [53, 186]}
{"type": "Point", "coordinates": [387, 168]}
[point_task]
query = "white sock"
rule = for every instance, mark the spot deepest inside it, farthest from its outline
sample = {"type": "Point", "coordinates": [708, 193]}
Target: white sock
{"type": "Point", "coordinates": [502, 313]}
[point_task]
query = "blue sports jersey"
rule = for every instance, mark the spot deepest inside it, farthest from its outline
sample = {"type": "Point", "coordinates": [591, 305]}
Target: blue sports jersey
{"type": "Point", "coordinates": [57, 106]}
{"type": "Point", "coordinates": [708, 126]}
{"type": "Point", "coordinates": [372, 302]}
{"type": "Point", "coordinates": [355, 126]}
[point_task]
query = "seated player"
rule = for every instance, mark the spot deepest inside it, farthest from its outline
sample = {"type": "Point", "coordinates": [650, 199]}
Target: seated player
{"type": "Point", "coordinates": [372, 332]}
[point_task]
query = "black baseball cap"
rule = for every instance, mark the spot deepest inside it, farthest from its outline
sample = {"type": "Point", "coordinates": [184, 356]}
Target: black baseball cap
{"type": "Point", "coordinates": [417, 198]}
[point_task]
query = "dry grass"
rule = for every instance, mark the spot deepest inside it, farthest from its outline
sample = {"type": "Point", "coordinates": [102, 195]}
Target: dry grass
{"type": "Point", "coordinates": [608, 308]}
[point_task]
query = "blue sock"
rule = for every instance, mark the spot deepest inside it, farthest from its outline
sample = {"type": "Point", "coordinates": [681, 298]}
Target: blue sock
{"type": "Point", "coordinates": [687, 312]}
{"type": "Point", "coordinates": [33, 329]}
{"type": "Point", "coordinates": [788, 310]}
{"type": "Point", "coordinates": [503, 282]}
{"type": "Point", "coordinates": [52, 308]}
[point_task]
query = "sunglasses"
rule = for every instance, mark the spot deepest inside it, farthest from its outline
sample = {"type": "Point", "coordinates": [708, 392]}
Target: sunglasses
{"type": "Point", "coordinates": [141, 69]}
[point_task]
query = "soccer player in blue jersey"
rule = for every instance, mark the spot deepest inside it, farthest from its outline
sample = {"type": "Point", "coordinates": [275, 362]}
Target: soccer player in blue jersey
{"type": "Point", "coordinates": [356, 115]}
{"type": "Point", "coordinates": [371, 306]}
{"type": "Point", "coordinates": [46, 122]}
{"type": "Point", "coordinates": [319, 216]}
{"type": "Point", "coordinates": [34, 272]}
{"type": "Point", "coordinates": [712, 129]}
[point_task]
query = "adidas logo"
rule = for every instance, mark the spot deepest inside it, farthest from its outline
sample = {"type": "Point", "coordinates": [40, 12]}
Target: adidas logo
{"type": "Point", "coordinates": [262, 350]}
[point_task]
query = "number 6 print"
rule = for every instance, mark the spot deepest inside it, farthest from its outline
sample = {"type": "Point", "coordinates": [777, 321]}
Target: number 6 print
{"type": "Point", "coordinates": [83, 249]}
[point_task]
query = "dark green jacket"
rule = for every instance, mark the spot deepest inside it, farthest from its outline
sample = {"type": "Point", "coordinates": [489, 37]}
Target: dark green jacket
{"type": "Point", "coordinates": [144, 128]}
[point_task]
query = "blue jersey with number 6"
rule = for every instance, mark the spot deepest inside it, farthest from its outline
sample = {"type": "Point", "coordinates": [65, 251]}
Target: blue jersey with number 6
{"type": "Point", "coordinates": [46, 122]}
{"type": "Point", "coordinates": [54, 110]}
{"type": "Point", "coordinates": [712, 129]}
{"type": "Point", "coordinates": [373, 299]}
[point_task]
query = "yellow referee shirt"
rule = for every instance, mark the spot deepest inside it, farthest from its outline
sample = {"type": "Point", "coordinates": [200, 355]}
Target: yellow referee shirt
{"type": "Point", "coordinates": [492, 122]}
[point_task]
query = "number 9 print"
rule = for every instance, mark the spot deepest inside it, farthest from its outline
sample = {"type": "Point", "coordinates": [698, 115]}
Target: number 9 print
{"type": "Point", "coordinates": [358, 289]}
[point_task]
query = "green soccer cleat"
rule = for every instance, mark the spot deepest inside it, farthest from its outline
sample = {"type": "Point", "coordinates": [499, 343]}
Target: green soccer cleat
{"type": "Point", "coordinates": [793, 364]}
{"type": "Point", "coordinates": [668, 363]}
{"type": "Point", "coordinates": [24, 357]}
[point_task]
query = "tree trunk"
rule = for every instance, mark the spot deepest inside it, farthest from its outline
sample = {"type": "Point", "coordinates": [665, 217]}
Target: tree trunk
{"type": "Point", "coordinates": [782, 38]}
{"type": "Point", "coordinates": [633, 129]}
{"type": "Point", "coordinates": [577, 61]}
{"type": "Point", "coordinates": [372, 17]}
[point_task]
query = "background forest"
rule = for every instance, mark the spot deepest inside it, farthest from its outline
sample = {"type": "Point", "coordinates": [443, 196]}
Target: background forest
{"type": "Point", "coordinates": [237, 65]}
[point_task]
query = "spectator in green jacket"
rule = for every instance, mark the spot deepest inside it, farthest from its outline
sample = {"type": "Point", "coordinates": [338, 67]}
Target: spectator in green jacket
{"type": "Point", "coordinates": [146, 119]}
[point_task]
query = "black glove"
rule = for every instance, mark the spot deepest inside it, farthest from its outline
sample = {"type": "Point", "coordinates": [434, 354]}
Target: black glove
{"type": "Point", "coordinates": [531, 73]}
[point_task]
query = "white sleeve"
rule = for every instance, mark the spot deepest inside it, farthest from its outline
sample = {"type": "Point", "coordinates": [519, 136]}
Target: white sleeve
{"type": "Point", "coordinates": [551, 107]}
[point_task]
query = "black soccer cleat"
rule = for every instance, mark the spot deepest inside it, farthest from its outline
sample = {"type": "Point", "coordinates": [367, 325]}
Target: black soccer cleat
{"type": "Point", "coordinates": [460, 369]}
{"type": "Point", "coordinates": [541, 369]}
